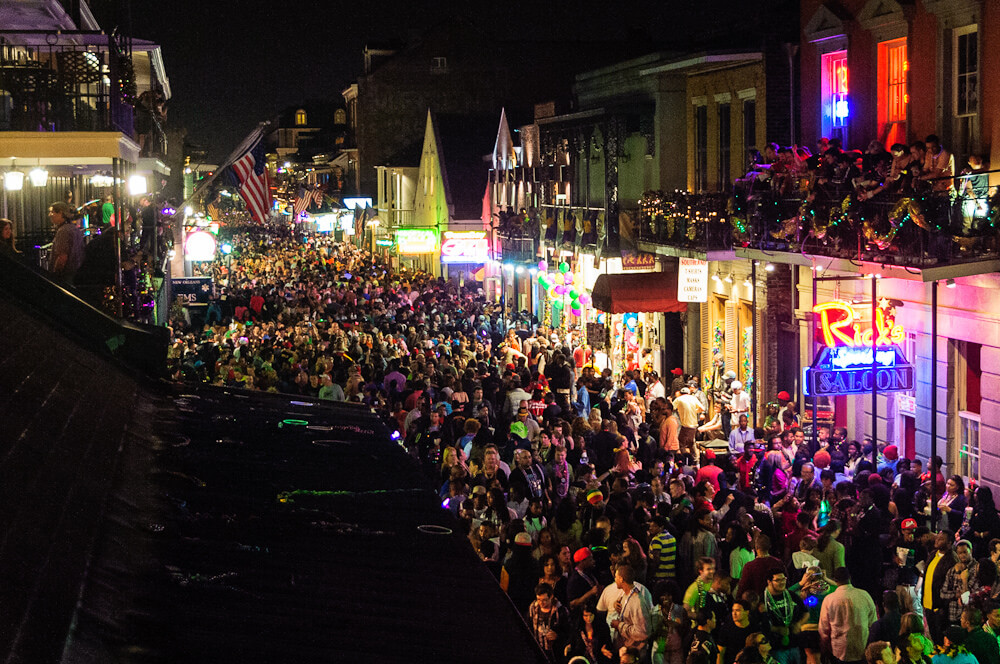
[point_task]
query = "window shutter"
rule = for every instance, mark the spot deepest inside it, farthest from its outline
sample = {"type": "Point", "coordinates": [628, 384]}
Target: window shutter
{"type": "Point", "coordinates": [732, 340]}
{"type": "Point", "coordinates": [706, 341]}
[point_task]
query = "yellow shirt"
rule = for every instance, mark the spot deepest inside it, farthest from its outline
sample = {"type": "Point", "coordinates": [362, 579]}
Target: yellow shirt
{"type": "Point", "coordinates": [929, 581]}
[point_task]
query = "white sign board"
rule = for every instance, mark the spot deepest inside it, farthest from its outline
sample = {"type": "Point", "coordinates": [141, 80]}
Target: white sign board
{"type": "Point", "coordinates": [692, 280]}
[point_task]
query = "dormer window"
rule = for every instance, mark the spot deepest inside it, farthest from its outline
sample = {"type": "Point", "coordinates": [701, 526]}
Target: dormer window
{"type": "Point", "coordinates": [439, 65]}
{"type": "Point", "coordinates": [340, 116]}
{"type": "Point", "coordinates": [300, 118]}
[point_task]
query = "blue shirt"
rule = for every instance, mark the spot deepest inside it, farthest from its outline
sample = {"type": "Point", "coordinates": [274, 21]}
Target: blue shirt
{"type": "Point", "coordinates": [738, 440]}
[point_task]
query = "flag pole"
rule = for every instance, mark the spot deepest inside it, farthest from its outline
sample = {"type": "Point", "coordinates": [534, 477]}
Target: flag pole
{"type": "Point", "coordinates": [251, 138]}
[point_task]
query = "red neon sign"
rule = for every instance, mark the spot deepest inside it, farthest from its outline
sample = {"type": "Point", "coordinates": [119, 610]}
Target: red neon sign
{"type": "Point", "coordinates": [841, 325]}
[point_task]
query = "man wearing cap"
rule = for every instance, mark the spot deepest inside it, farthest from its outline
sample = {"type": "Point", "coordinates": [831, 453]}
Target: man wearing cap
{"type": "Point", "coordinates": [904, 554]}
{"type": "Point", "coordinates": [688, 408]}
{"type": "Point", "coordinates": [709, 472]}
{"type": "Point", "coordinates": [678, 382]}
{"type": "Point", "coordinates": [740, 403]}
{"type": "Point", "coordinates": [515, 397]}
{"type": "Point", "coordinates": [582, 584]}
{"type": "Point", "coordinates": [890, 457]}
{"type": "Point", "coordinates": [524, 417]}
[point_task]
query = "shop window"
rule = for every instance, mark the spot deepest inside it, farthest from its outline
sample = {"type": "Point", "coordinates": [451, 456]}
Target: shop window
{"type": "Point", "coordinates": [892, 96]}
{"type": "Point", "coordinates": [700, 148]}
{"type": "Point", "coordinates": [836, 111]}
{"type": "Point", "coordinates": [749, 125]}
{"type": "Point", "coordinates": [725, 136]}
{"type": "Point", "coordinates": [968, 454]}
{"type": "Point", "coordinates": [967, 403]}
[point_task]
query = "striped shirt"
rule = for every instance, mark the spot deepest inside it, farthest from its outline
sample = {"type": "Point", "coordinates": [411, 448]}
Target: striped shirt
{"type": "Point", "coordinates": [666, 546]}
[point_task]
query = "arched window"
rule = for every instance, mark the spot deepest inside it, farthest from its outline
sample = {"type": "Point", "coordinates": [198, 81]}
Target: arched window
{"type": "Point", "coordinates": [300, 118]}
{"type": "Point", "coordinates": [340, 116]}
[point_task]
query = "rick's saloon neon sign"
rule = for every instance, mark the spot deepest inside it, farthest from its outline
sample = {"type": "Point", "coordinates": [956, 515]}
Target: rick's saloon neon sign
{"type": "Point", "coordinates": [853, 358]}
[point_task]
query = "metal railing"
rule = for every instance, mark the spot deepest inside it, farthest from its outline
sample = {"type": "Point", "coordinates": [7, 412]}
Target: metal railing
{"type": "Point", "coordinates": [923, 230]}
{"type": "Point", "coordinates": [72, 87]}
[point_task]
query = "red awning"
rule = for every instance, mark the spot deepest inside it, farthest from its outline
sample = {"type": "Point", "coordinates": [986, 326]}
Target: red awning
{"type": "Point", "coordinates": [644, 292]}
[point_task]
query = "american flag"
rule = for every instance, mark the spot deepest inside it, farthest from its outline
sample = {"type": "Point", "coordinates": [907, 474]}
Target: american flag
{"type": "Point", "coordinates": [305, 200]}
{"type": "Point", "coordinates": [249, 173]}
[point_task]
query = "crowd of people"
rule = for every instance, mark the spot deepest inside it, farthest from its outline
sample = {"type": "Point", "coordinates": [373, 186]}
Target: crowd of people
{"type": "Point", "coordinates": [924, 169]}
{"type": "Point", "coordinates": [629, 518]}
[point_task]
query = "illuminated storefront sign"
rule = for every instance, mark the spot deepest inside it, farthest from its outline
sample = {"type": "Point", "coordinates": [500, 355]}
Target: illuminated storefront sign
{"type": "Point", "coordinates": [199, 246]}
{"type": "Point", "coordinates": [692, 280]}
{"type": "Point", "coordinates": [464, 247]}
{"type": "Point", "coordinates": [848, 363]}
{"type": "Point", "coordinates": [840, 325]}
{"type": "Point", "coordinates": [412, 241]}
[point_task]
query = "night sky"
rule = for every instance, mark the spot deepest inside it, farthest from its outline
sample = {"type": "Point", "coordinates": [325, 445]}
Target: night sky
{"type": "Point", "coordinates": [234, 63]}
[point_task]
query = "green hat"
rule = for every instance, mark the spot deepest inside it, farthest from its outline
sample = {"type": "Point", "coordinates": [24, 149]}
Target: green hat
{"type": "Point", "coordinates": [518, 429]}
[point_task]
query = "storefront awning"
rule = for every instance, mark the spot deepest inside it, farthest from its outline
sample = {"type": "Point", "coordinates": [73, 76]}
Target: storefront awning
{"type": "Point", "coordinates": [645, 292]}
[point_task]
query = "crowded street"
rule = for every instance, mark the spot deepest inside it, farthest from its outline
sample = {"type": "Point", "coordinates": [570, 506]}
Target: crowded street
{"type": "Point", "coordinates": [622, 523]}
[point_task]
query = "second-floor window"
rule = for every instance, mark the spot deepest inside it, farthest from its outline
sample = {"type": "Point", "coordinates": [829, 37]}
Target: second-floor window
{"type": "Point", "coordinates": [892, 96]}
{"type": "Point", "coordinates": [300, 118]}
{"type": "Point", "coordinates": [725, 137]}
{"type": "Point", "coordinates": [967, 71]}
{"type": "Point", "coordinates": [700, 148]}
{"type": "Point", "coordinates": [836, 103]}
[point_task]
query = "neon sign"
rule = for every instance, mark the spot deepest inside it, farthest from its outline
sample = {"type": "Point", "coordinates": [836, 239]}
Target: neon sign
{"type": "Point", "coordinates": [841, 325]}
{"type": "Point", "coordinates": [854, 359]}
{"type": "Point", "coordinates": [412, 241]}
{"type": "Point", "coordinates": [464, 247]}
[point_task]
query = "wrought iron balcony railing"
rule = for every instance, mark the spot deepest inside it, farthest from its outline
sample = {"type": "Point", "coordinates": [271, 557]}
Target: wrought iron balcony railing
{"type": "Point", "coordinates": [934, 228]}
{"type": "Point", "coordinates": [76, 87]}
{"type": "Point", "coordinates": [697, 222]}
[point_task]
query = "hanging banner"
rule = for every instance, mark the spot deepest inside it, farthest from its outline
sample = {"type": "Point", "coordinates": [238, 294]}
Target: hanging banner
{"type": "Point", "coordinates": [596, 335]}
{"type": "Point", "coordinates": [692, 280]}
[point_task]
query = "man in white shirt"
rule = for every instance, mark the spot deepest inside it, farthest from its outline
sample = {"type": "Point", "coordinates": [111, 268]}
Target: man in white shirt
{"type": "Point", "coordinates": [687, 407]}
{"type": "Point", "coordinates": [844, 619]}
{"type": "Point", "coordinates": [740, 403]}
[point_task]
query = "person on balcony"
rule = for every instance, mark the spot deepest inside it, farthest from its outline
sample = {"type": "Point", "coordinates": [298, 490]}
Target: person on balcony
{"type": "Point", "coordinates": [975, 188]}
{"type": "Point", "coordinates": [939, 166]}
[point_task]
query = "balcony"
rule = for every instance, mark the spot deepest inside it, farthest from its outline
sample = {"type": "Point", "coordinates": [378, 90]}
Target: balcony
{"type": "Point", "coordinates": [691, 223]}
{"type": "Point", "coordinates": [393, 218]}
{"type": "Point", "coordinates": [77, 88]}
{"type": "Point", "coordinates": [920, 233]}
{"type": "Point", "coordinates": [518, 238]}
